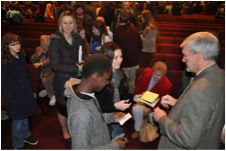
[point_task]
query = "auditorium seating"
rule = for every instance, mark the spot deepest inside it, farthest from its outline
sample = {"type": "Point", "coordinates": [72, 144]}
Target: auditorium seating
{"type": "Point", "coordinates": [168, 48]}
{"type": "Point", "coordinates": [29, 52]}
{"type": "Point", "coordinates": [173, 61]}
{"type": "Point", "coordinates": [34, 75]}
{"type": "Point", "coordinates": [175, 78]}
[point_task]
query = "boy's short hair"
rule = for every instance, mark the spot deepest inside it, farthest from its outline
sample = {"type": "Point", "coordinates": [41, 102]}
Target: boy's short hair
{"type": "Point", "coordinates": [96, 63]}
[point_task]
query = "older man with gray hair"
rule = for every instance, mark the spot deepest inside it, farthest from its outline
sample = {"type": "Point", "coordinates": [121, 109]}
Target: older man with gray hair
{"type": "Point", "coordinates": [198, 115]}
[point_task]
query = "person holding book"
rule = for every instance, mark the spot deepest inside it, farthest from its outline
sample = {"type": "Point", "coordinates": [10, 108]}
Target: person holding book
{"type": "Point", "coordinates": [151, 79]}
{"type": "Point", "coordinates": [66, 61]}
{"type": "Point", "coordinates": [86, 122]}
{"type": "Point", "coordinates": [197, 117]}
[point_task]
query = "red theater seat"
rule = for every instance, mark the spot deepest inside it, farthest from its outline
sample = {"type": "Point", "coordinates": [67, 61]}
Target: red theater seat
{"type": "Point", "coordinates": [168, 48]}
{"type": "Point", "coordinates": [173, 61]}
{"type": "Point", "coordinates": [29, 52]}
{"type": "Point", "coordinates": [34, 74]}
{"type": "Point", "coordinates": [175, 77]}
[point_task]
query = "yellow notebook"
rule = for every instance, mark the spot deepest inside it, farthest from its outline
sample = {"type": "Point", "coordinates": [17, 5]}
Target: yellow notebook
{"type": "Point", "coordinates": [149, 98]}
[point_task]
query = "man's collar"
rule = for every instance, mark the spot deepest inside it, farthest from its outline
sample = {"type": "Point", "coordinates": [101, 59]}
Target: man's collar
{"type": "Point", "coordinates": [204, 68]}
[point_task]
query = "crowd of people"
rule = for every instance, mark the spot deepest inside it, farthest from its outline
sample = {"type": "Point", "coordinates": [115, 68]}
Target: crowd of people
{"type": "Point", "coordinates": [100, 55]}
{"type": "Point", "coordinates": [13, 12]}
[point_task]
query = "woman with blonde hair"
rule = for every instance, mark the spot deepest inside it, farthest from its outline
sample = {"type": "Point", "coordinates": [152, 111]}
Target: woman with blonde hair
{"type": "Point", "coordinates": [67, 51]}
{"type": "Point", "coordinates": [150, 32]}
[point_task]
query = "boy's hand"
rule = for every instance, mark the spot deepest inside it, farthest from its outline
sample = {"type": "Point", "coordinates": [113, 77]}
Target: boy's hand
{"type": "Point", "coordinates": [117, 116]}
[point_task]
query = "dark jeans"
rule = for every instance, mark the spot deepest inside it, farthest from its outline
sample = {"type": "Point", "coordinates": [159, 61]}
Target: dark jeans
{"type": "Point", "coordinates": [116, 129]}
{"type": "Point", "coordinates": [20, 131]}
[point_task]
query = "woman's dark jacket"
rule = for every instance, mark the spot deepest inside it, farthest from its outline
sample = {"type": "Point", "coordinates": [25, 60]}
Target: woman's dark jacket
{"type": "Point", "coordinates": [17, 90]}
{"type": "Point", "coordinates": [105, 97]}
{"type": "Point", "coordinates": [63, 58]}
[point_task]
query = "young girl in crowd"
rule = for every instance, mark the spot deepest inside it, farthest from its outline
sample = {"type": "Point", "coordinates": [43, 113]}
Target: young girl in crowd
{"type": "Point", "coordinates": [41, 59]}
{"type": "Point", "coordinates": [100, 36]}
{"type": "Point", "coordinates": [82, 32]}
{"type": "Point", "coordinates": [64, 59]}
{"type": "Point", "coordinates": [16, 90]}
{"type": "Point", "coordinates": [110, 34]}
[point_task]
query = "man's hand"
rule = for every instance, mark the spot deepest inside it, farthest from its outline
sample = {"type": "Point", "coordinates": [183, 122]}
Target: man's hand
{"type": "Point", "coordinates": [122, 142]}
{"type": "Point", "coordinates": [168, 100]}
{"type": "Point", "coordinates": [158, 113]}
{"type": "Point", "coordinates": [122, 105]}
{"type": "Point", "coordinates": [117, 116]}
